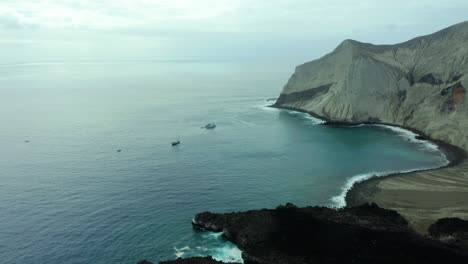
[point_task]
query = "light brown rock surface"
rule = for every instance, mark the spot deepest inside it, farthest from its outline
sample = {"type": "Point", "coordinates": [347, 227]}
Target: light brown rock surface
{"type": "Point", "coordinates": [419, 84]}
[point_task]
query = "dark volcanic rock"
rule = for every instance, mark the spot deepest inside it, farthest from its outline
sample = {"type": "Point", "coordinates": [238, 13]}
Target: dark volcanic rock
{"type": "Point", "coordinates": [144, 262]}
{"type": "Point", "coordinates": [450, 230]}
{"type": "Point", "coordinates": [421, 137]}
{"type": "Point", "coordinates": [194, 260]}
{"type": "Point", "coordinates": [364, 234]}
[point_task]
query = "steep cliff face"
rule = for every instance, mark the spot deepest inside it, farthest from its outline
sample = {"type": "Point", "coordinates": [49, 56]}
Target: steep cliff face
{"type": "Point", "coordinates": [420, 84]}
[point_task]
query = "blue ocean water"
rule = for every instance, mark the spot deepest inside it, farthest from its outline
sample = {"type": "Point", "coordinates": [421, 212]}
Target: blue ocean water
{"type": "Point", "coordinates": [68, 196]}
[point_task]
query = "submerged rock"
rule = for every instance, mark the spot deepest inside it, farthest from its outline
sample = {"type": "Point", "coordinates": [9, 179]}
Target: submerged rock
{"type": "Point", "coordinates": [421, 137]}
{"type": "Point", "coordinates": [364, 234]}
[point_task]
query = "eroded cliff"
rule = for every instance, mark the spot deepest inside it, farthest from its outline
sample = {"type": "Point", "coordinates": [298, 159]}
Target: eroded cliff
{"type": "Point", "coordinates": [420, 84]}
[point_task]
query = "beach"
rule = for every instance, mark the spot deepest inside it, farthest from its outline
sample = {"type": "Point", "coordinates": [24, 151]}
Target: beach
{"type": "Point", "coordinates": [422, 197]}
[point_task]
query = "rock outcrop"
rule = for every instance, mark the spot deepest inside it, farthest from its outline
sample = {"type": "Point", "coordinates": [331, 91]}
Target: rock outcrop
{"type": "Point", "coordinates": [364, 234]}
{"type": "Point", "coordinates": [451, 230]}
{"type": "Point", "coordinates": [419, 84]}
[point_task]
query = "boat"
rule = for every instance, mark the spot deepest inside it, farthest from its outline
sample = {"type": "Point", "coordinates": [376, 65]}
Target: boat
{"type": "Point", "coordinates": [210, 126]}
{"type": "Point", "coordinates": [175, 143]}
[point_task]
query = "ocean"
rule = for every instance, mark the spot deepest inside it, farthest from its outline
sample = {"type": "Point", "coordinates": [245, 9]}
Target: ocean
{"type": "Point", "coordinates": [68, 195]}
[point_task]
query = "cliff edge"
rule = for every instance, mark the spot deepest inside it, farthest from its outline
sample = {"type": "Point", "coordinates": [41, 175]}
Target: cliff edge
{"type": "Point", "coordinates": [419, 84]}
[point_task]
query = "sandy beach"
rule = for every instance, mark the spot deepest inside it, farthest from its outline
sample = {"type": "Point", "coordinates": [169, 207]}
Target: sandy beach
{"type": "Point", "coordinates": [421, 197]}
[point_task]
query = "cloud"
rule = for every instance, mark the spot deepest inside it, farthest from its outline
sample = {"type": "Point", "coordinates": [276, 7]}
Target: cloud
{"type": "Point", "coordinates": [110, 14]}
{"type": "Point", "coordinates": [261, 16]}
{"type": "Point", "coordinates": [219, 28]}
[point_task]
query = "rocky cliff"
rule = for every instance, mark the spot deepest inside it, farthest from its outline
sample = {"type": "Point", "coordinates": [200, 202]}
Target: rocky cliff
{"type": "Point", "coordinates": [419, 84]}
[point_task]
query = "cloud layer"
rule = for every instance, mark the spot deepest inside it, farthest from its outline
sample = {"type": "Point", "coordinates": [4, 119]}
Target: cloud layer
{"type": "Point", "coordinates": [187, 27]}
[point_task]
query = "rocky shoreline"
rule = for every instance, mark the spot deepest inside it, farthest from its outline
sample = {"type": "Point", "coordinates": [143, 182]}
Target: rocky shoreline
{"type": "Point", "coordinates": [252, 228]}
{"type": "Point", "coordinates": [363, 234]}
{"type": "Point", "coordinates": [247, 230]}
{"type": "Point", "coordinates": [418, 85]}
{"type": "Point", "coordinates": [444, 241]}
{"type": "Point", "coordinates": [363, 192]}
{"type": "Point", "coordinates": [454, 154]}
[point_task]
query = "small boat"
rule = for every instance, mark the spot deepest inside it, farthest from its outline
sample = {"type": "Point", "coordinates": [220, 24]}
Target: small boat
{"type": "Point", "coordinates": [119, 150]}
{"type": "Point", "coordinates": [210, 126]}
{"type": "Point", "coordinates": [175, 143]}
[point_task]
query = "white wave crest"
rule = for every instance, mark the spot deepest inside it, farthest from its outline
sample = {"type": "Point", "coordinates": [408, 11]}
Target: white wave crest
{"type": "Point", "coordinates": [228, 253]}
{"type": "Point", "coordinates": [411, 136]}
{"type": "Point", "coordinates": [215, 246]}
{"type": "Point", "coordinates": [267, 107]}
{"type": "Point", "coordinates": [215, 235]}
{"type": "Point", "coordinates": [179, 252]}
{"type": "Point", "coordinates": [307, 116]}
{"type": "Point", "coordinates": [339, 201]}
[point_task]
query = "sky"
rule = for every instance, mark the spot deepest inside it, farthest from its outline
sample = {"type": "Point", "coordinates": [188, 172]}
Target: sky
{"type": "Point", "coordinates": [217, 30]}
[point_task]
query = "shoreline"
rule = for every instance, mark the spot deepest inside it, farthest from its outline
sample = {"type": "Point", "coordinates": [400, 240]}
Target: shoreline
{"type": "Point", "coordinates": [360, 190]}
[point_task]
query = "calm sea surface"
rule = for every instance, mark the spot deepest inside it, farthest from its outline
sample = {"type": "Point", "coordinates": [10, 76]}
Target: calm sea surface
{"type": "Point", "coordinates": [68, 196]}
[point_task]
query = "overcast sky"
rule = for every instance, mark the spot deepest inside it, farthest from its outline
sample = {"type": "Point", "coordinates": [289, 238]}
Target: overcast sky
{"type": "Point", "coordinates": [291, 30]}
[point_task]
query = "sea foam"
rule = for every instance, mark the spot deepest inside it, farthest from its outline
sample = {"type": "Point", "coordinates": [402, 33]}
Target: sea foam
{"type": "Point", "coordinates": [307, 116]}
{"type": "Point", "coordinates": [339, 201]}
{"type": "Point", "coordinates": [411, 136]}
{"type": "Point", "coordinates": [227, 253]}
{"type": "Point", "coordinates": [267, 107]}
{"type": "Point", "coordinates": [179, 252]}
{"type": "Point", "coordinates": [213, 245]}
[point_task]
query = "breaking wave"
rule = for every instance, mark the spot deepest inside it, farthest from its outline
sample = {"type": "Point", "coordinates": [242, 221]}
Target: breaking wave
{"type": "Point", "coordinates": [302, 115]}
{"type": "Point", "coordinates": [212, 245]}
{"type": "Point", "coordinates": [339, 201]}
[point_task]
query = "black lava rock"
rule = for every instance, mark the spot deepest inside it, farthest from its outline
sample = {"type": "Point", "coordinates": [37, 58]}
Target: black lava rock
{"type": "Point", "coordinates": [364, 234]}
{"type": "Point", "coordinates": [450, 230]}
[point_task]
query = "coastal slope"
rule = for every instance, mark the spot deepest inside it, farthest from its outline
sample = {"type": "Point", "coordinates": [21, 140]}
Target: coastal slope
{"type": "Point", "coordinates": [418, 84]}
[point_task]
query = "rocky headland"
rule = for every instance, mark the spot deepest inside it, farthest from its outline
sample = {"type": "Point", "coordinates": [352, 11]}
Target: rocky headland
{"type": "Point", "coordinates": [363, 234]}
{"type": "Point", "coordinates": [419, 85]}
